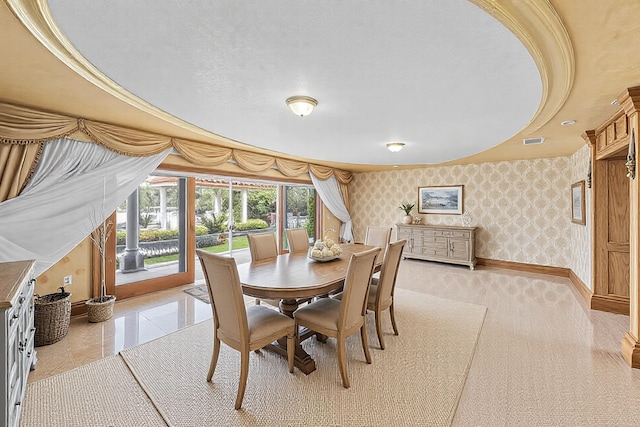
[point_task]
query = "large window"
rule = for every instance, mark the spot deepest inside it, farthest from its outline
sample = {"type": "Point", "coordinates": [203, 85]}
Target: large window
{"type": "Point", "coordinates": [155, 246]}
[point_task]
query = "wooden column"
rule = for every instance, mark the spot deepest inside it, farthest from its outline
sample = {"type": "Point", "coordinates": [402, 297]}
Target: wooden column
{"type": "Point", "coordinates": [630, 102]}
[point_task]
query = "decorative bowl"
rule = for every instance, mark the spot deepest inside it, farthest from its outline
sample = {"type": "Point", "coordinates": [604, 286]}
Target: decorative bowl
{"type": "Point", "coordinates": [324, 259]}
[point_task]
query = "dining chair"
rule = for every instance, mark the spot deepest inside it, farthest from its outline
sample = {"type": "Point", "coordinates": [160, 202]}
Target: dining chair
{"type": "Point", "coordinates": [263, 246]}
{"type": "Point", "coordinates": [380, 237]}
{"type": "Point", "coordinates": [342, 318]}
{"type": "Point", "coordinates": [298, 239]}
{"type": "Point", "coordinates": [381, 290]}
{"type": "Point", "coordinates": [244, 329]}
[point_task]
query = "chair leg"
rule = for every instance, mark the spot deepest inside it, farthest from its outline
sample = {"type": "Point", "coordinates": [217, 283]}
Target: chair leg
{"type": "Point", "coordinates": [342, 361]}
{"type": "Point", "coordinates": [257, 301]}
{"type": "Point", "coordinates": [244, 373]}
{"type": "Point", "coordinates": [291, 349]}
{"type": "Point", "coordinates": [214, 358]}
{"type": "Point", "coordinates": [393, 319]}
{"type": "Point", "coordinates": [365, 343]}
{"type": "Point", "coordinates": [379, 329]}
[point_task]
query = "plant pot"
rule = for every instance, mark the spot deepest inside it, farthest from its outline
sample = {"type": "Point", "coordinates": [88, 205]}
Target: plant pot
{"type": "Point", "coordinates": [100, 309]}
{"type": "Point", "coordinates": [408, 219]}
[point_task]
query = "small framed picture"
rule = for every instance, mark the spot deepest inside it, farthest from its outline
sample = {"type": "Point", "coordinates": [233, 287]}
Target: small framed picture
{"type": "Point", "coordinates": [440, 200]}
{"type": "Point", "coordinates": [577, 203]}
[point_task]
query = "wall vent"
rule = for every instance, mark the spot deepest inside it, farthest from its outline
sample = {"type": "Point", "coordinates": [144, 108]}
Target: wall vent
{"type": "Point", "coordinates": [529, 141]}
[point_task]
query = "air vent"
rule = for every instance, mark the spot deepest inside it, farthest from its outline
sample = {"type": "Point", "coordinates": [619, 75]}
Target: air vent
{"type": "Point", "coordinates": [529, 141]}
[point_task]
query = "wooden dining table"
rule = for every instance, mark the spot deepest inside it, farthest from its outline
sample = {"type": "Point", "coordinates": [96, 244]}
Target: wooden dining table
{"type": "Point", "coordinates": [293, 278]}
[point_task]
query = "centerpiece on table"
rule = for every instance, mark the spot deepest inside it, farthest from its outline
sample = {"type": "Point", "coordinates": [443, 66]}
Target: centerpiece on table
{"type": "Point", "coordinates": [325, 250]}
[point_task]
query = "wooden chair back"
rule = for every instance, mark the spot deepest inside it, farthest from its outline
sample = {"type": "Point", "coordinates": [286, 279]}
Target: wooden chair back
{"type": "Point", "coordinates": [380, 237]}
{"type": "Point", "coordinates": [298, 239]}
{"type": "Point", "coordinates": [262, 246]}
{"type": "Point", "coordinates": [225, 294]}
{"type": "Point", "coordinates": [356, 288]}
{"type": "Point", "coordinates": [389, 271]}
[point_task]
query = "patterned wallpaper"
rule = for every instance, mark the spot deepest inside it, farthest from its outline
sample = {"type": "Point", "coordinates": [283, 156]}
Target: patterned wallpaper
{"type": "Point", "coordinates": [522, 208]}
{"type": "Point", "coordinates": [581, 242]}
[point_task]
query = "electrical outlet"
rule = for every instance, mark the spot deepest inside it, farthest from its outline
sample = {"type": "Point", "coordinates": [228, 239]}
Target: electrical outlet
{"type": "Point", "coordinates": [67, 280]}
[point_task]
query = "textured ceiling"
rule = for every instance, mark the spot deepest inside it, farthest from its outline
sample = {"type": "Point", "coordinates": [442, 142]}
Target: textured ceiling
{"type": "Point", "coordinates": [381, 71]}
{"type": "Point", "coordinates": [450, 79]}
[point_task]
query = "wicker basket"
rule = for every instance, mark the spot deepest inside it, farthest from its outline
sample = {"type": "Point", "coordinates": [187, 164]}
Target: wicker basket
{"type": "Point", "coordinates": [99, 311]}
{"type": "Point", "coordinates": [51, 316]}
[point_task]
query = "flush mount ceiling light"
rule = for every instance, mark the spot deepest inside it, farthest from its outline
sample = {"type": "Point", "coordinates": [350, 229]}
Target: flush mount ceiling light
{"type": "Point", "coordinates": [568, 122]}
{"type": "Point", "coordinates": [301, 105]}
{"type": "Point", "coordinates": [394, 147]}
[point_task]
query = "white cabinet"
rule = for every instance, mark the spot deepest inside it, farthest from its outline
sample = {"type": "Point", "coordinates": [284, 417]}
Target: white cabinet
{"type": "Point", "coordinates": [451, 244]}
{"type": "Point", "coordinates": [16, 307]}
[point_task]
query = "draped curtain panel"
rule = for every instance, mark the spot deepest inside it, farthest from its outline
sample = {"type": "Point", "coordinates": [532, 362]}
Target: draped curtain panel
{"type": "Point", "coordinates": [331, 196]}
{"type": "Point", "coordinates": [74, 188]}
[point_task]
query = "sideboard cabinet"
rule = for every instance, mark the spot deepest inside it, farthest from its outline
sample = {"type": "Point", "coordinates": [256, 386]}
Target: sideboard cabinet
{"type": "Point", "coordinates": [16, 307]}
{"type": "Point", "coordinates": [443, 243]}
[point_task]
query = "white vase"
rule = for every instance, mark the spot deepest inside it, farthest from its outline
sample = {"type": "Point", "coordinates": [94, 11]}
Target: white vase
{"type": "Point", "coordinates": [408, 219]}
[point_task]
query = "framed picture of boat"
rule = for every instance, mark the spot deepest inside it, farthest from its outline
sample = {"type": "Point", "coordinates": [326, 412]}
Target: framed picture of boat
{"type": "Point", "coordinates": [440, 200]}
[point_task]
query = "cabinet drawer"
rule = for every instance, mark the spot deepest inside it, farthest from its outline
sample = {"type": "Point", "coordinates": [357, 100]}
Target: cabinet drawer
{"type": "Point", "coordinates": [436, 232]}
{"type": "Point", "coordinates": [463, 234]}
{"type": "Point", "coordinates": [434, 241]}
{"type": "Point", "coordinates": [438, 252]}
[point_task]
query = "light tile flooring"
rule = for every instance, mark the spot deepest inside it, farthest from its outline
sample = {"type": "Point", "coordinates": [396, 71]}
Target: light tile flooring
{"type": "Point", "coordinates": [542, 359]}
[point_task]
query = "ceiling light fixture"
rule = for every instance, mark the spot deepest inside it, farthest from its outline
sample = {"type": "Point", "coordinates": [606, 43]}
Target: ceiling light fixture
{"type": "Point", "coordinates": [394, 147]}
{"type": "Point", "coordinates": [568, 122]}
{"type": "Point", "coordinates": [301, 105]}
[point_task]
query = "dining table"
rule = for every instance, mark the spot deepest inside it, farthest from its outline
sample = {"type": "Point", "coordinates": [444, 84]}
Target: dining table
{"type": "Point", "coordinates": [294, 278]}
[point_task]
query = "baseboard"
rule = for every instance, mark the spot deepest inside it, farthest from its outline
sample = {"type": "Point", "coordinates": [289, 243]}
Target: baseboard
{"type": "Point", "coordinates": [78, 308]}
{"type": "Point", "coordinates": [582, 289]}
{"type": "Point", "coordinates": [528, 268]}
{"type": "Point", "coordinates": [611, 304]}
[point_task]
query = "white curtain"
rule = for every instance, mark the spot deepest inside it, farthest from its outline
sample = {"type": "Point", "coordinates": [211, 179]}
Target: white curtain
{"type": "Point", "coordinates": [329, 192]}
{"type": "Point", "coordinates": [74, 180]}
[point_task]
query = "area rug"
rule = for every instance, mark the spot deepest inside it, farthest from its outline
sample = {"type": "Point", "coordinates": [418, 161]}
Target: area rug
{"type": "Point", "coordinates": [199, 292]}
{"type": "Point", "coordinates": [416, 381]}
{"type": "Point", "coordinates": [102, 393]}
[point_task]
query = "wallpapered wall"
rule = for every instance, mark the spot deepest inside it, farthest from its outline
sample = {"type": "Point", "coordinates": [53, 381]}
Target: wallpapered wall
{"type": "Point", "coordinates": [522, 208]}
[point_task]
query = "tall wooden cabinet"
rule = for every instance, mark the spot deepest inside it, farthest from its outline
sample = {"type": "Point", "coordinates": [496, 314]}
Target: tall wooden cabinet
{"type": "Point", "coordinates": [450, 244]}
{"type": "Point", "coordinates": [16, 305]}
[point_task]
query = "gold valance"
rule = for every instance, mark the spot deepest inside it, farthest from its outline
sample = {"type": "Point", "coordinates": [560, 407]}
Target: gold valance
{"type": "Point", "coordinates": [20, 125]}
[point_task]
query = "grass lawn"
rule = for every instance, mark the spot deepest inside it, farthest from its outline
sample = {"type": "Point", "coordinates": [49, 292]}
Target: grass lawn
{"type": "Point", "coordinates": [239, 242]}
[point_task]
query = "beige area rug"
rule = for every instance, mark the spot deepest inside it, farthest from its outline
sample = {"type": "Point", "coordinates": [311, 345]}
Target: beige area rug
{"type": "Point", "coordinates": [417, 380]}
{"type": "Point", "coordinates": [102, 393]}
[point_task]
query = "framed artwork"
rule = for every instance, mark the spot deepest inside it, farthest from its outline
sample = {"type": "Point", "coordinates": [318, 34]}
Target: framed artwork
{"type": "Point", "coordinates": [440, 200]}
{"type": "Point", "coordinates": [577, 203]}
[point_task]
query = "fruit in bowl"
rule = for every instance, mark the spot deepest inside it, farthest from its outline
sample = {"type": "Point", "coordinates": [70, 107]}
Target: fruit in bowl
{"type": "Point", "coordinates": [325, 250]}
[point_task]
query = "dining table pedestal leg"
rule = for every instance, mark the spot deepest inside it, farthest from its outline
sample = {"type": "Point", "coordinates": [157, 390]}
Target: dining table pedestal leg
{"type": "Point", "coordinates": [302, 360]}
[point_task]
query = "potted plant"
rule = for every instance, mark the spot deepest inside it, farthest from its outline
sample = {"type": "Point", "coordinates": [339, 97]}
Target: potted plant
{"type": "Point", "coordinates": [100, 308]}
{"type": "Point", "coordinates": [406, 208]}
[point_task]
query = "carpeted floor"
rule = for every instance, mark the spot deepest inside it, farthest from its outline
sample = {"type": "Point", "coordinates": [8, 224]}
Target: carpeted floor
{"type": "Point", "coordinates": [398, 389]}
{"type": "Point", "coordinates": [102, 393]}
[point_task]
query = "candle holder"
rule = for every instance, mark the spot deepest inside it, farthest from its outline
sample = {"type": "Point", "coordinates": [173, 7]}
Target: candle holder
{"type": "Point", "coordinates": [631, 157]}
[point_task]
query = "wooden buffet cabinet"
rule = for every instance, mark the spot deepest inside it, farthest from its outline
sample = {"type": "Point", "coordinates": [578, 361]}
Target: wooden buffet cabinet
{"type": "Point", "coordinates": [18, 355]}
{"type": "Point", "coordinates": [442, 243]}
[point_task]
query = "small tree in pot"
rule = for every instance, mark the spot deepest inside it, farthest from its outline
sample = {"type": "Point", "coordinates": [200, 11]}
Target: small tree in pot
{"type": "Point", "coordinates": [100, 308]}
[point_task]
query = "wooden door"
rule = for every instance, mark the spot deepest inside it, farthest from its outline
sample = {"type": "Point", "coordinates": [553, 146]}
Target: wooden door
{"type": "Point", "coordinates": [611, 290]}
